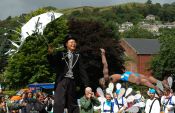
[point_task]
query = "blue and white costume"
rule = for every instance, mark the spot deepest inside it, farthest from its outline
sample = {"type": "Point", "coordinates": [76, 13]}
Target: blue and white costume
{"type": "Point", "coordinates": [125, 75]}
{"type": "Point", "coordinates": [119, 104]}
{"type": "Point", "coordinates": [152, 105]}
{"type": "Point", "coordinates": [107, 107]}
{"type": "Point", "coordinates": [168, 103]}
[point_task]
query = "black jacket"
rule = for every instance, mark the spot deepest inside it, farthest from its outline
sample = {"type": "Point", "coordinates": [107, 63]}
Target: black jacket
{"type": "Point", "coordinates": [59, 62]}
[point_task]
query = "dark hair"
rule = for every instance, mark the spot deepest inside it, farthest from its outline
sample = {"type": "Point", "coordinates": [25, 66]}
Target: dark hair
{"type": "Point", "coordinates": [67, 38]}
{"type": "Point", "coordinates": [107, 94]}
{"type": "Point", "coordinates": [38, 94]}
{"type": "Point", "coordinates": [167, 89]}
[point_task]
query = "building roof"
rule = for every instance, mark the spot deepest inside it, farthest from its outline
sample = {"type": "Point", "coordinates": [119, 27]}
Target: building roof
{"type": "Point", "coordinates": [144, 46]}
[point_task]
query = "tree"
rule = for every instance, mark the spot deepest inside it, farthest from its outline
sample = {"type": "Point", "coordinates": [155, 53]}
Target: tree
{"type": "Point", "coordinates": [4, 46]}
{"type": "Point", "coordinates": [93, 35]}
{"type": "Point", "coordinates": [168, 13]}
{"type": "Point", "coordinates": [30, 64]}
{"type": "Point", "coordinates": [3, 63]}
{"type": "Point", "coordinates": [173, 3]}
{"type": "Point", "coordinates": [164, 62]}
{"type": "Point", "coordinates": [149, 2]}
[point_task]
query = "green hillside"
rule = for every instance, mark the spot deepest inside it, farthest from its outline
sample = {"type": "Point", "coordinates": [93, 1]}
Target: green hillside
{"type": "Point", "coordinates": [96, 27]}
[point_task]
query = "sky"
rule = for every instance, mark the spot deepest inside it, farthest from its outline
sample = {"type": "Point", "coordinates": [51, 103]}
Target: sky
{"type": "Point", "coordinates": [17, 7]}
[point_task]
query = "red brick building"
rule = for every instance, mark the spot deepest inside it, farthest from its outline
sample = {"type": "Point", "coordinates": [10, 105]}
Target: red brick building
{"type": "Point", "coordinates": [139, 53]}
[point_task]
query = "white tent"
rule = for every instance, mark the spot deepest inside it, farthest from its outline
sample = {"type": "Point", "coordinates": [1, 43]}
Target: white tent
{"type": "Point", "coordinates": [36, 25]}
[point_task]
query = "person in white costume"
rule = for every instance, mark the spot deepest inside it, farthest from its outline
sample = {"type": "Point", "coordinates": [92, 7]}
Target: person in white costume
{"type": "Point", "coordinates": [108, 105]}
{"type": "Point", "coordinates": [168, 101]}
{"type": "Point", "coordinates": [120, 104]}
{"type": "Point", "coordinates": [152, 104]}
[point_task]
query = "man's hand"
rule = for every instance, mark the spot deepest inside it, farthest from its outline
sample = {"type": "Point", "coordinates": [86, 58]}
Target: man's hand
{"type": "Point", "coordinates": [169, 109]}
{"type": "Point", "coordinates": [89, 96]}
{"type": "Point", "coordinates": [120, 111]}
{"type": "Point", "coordinates": [102, 51]}
{"type": "Point", "coordinates": [92, 95]}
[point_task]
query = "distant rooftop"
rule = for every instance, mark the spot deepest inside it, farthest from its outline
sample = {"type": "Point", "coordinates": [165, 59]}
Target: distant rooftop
{"type": "Point", "coordinates": [144, 46]}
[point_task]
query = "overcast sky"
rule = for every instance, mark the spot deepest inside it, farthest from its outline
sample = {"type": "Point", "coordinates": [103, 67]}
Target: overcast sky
{"type": "Point", "coordinates": [17, 7]}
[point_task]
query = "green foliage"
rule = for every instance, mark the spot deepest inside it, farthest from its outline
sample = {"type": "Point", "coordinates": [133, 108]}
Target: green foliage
{"type": "Point", "coordinates": [128, 12]}
{"type": "Point", "coordinates": [167, 13]}
{"type": "Point", "coordinates": [10, 92]}
{"type": "Point", "coordinates": [137, 32]}
{"type": "Point", "coordinates": [56, 30]}
{"type": "Point", "coordinates": [117, 14]}
{"type": "Point", "coordinates": [50, 8]}
{"type": "Point", "coordinates": [30, 64]}
{"type": "Point", "coordinates": [38, 11]}
{"type": "Point", "coordinates": [132, 12]}
{"type": "Point", "coordinates": [93, 35]}
{"type": "Point", "coordinates": [164, 63]}
{"type": "Point", "coordinates": [149, 2]}
{"type": "Point", "coordinates": [2, 63]}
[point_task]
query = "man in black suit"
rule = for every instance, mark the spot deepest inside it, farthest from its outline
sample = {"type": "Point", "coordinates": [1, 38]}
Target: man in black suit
{"type": "Point", "coordinates": [70, 70]}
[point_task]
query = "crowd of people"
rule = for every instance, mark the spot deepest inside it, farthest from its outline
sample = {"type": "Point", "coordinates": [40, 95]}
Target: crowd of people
{"type": "Point", "coordinates": [115, 98]}
{"type": "Point", "coordinates": [118, 100]}
{"type": "Point", "coordinates": [29, 103]}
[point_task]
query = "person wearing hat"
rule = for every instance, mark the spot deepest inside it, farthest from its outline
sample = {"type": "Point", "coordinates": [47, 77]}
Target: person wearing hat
{"type": "Point", "coordinates": [70, 71]}
{"type": "Point", "coordinates": [152, 104]}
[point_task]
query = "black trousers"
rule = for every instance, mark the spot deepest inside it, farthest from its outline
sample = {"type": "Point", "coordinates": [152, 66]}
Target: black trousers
{"type": "Point", "coordinates": [65, 97]}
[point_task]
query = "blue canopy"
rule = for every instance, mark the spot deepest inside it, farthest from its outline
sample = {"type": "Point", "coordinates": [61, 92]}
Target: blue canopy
{"type": "Point", "coordinates": [42, 85]}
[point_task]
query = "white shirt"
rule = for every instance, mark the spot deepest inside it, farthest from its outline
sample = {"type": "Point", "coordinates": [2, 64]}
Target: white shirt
{"type": "Point", "coordinates": [169, 104]}
{"type": "Point", "coordinates": [116, 109]}
{"type": "Point", "coordinates": [101, 100]}
{"type": "Point", "coordinates": [155, 106]}
{"type": "Point", "coordinates": [105, 107]}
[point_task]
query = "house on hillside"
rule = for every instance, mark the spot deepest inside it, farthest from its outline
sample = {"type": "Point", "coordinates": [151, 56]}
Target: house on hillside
{"type": "Point", "coordinates": [150, 17]}
{"type": "Point", "coordinates": [139, 53]}
{"type": "Point", "coordinates": [168, 25]}
{"type": "Point", "coordinates": [125, 26]}
{"type": "Point", "coordinates": [149, 27]}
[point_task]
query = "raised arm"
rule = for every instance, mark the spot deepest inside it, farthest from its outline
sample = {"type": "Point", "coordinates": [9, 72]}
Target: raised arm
{"type": "Point", "coordinates": [53, 57]}
{"type": "Point", "coordinates": [105, 64]}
